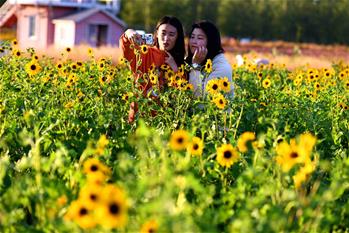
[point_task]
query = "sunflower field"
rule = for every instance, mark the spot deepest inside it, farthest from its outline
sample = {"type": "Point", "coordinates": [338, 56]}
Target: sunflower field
{"type": "Point", "coordinates": [273, 158]}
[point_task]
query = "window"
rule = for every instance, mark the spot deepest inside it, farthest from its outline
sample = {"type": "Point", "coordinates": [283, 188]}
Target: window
{"type": "Point", "coordinates": [32, 23]}
{"type": "Point", "coordinates": [92, 33]}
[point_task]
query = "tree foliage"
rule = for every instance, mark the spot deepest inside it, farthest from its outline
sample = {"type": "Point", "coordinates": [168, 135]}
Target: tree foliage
{"type": "Point", "coordinates": [321, 21]}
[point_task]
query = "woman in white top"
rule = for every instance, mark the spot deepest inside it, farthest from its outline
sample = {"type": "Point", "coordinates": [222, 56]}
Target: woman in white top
{"type": "Point", "coordinates": [205, 43]}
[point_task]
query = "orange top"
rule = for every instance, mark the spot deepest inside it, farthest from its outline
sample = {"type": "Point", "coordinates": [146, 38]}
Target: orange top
{"type": "Point", "coordinates": [153, 56]}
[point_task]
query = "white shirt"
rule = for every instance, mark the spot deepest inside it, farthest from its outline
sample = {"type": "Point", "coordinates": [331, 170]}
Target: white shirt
{"type": "Point", "coordinates": [220, 69]}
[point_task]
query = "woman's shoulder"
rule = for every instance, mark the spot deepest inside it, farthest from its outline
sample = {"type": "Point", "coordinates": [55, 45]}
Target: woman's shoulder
{"type": "Point", "coordinates": [221, 61]}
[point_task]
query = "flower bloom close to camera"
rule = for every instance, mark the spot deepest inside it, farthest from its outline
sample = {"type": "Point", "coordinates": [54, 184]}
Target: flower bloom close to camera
{"type": "Point", "coordinates": [266, 83]}
{"type": "Point", "coordinates": [220, 101]}
{"type": "Point", "coordinates": [295, 153]}
{"type": "Point", "coordinates": [150, 227]}
{"type": "Point", "coordinates": [179, 140]}
{"type": "Point", "coordinates": [244, 139]}
{"type": "Point", "coordinates": [213, 86]}
{"type": "Point", "coordinates": [196, 146]}
{"type": "Point", "coordinates": [112, 210]}
{"type": "Point", "coordinates": [81, 214]}
{"type": "Point", "coordinates": [224, 84]}
{"type": "Point", "coordinates": [303, 174]}
{"type": "Point", "coordinates": [227, 155]}
{"type": "Point", "coordinates": [32, 68]}
{"type": "Point", "coordinates": [93, 165]}
{"type": "Point", "coordinates": [208, 66]}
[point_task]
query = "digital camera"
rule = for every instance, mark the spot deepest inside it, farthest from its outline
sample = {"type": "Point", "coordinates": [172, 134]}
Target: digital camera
{"type": "Point", "coordinates": [147, 38]}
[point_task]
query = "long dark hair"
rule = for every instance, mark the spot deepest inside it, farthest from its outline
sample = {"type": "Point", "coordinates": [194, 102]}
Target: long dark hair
{"type": "Point", "coordinates": [178, 51]}
{"type": "Point", "coordinates": [214, 45]}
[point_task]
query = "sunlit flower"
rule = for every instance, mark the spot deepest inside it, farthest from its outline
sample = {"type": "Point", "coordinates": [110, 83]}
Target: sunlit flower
{"type": "Point", "coordinates": [90, 195]}
{"type": "Point", "coordinates": [90, 52]}
{"type": "Point", "coordinates": [290, 154]}
{"type": "Point", "coordinates": [153, 78]}
{"type": "Point", "coordinates": [303, 174]}
{"type": "Point", "coordinates": [244, 139]}
{"type": "Point", "coordinates": [165, 67]}
{"type": "Point", "coordinates": [81, 214]}
{"type": "Point", "coordinates": [144, 49]}
{"type": "Point", "coordinates": [208, 66]}
{"type": "Point", "coordinates": [224, 84]}
{"type": "Point", "coordinates": [17, 53]}
{"type": "Point", "coordinates": [227, 155]}
{"type": "Point", "coordinates": [196, 146]}
{"type": "Point", "coordinates": [112, 212]}
{"type": "Point", "coordinates": [179, 140]}
{"type": "Point", "coordinates": [93, 165]}
{"type": "Point", "coordinates": [32, 68]}
{"type": "Point", "coordinates": [127, 96]}
{"type": "Point", "coordinates": [212, 86]}
{"type": "Point", "coordinates": [101, 144]}
{"type": "Point", "coordinates": [266, 83]}
{"type": "Point", "coordinates": [189, 86]}
{"type": "Point", "coordinates": [149, 227]}
{"type": "Point", "coordinates": [220, 101]}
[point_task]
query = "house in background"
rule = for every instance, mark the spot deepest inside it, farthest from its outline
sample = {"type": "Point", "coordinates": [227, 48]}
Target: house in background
{"type": "Point", "coordinates": [62, 23]}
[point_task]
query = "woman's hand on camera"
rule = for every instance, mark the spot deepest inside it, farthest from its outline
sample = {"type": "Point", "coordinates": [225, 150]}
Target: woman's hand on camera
{"type": "Point", "coordinates": [169, 60]}
{"type": "Point", "coordinates": [199, 55]}
{"type": "Point", "coordinates": [133, 36]}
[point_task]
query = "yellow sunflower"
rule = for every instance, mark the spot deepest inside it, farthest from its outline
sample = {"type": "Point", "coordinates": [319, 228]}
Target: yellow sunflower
{"type": "Point", "coordinates": [127, 96]}
{"type": "Point", "coordinates": [93, 165]}
{"type": "Point", "coordinates": [220, 101]}
{"type": "Point", "coordinates": [266, 83]}
{"type": "Point", "coordinates": [153, 78]}
{"type": "Point", "coordinates": [227, 155]}
{"type": "Point", "coordinates": [290, 154]}
{"type": "Point", "coordinates": [144, 49]}
{"type": "Point", "coordinates": [224, 84]}
{"type": "Point", "coordinates": [213, 86]}
{"type": "Point", "coordinates": [33, 68]}
{"type": "Point", "coordinates": [90, 195]}
{"type": "Point", "coordinates": [17, 53]}
{"type": "Point", "coordinates": [179, 140]}
{"type": "Point", "coordinates": [81, 214]}
{"type": "Point", "coordinates": [112, 211]}
{"type": "Point", "coordinates": [196, 146]}
{"type": "Point", "coordinates": [208, 66]}
{"type": "Point", "coordinates": [90, 52]}
{"type": "Point", "coordinates": [150, 227]}
{"type": "Point", "coordinates": [189, 87]}
{"type": "Point", "coordinates": [101, 144]}
{"type": "Point", "coordinates": [244, 139]}
{"type": "Point", "coordinates": [303, 174]}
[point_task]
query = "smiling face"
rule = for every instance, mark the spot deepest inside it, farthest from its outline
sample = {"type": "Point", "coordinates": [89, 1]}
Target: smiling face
{"type": "Point", "coordinates": [167, 36]}
{"type": "Point", "coordinates": [197, 39]}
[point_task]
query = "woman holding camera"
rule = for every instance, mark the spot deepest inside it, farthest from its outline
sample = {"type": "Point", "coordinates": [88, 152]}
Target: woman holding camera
{"type": "Point", "coordinates": [204, 44]}
{"type": "Point", "coordinates": [168, 48]}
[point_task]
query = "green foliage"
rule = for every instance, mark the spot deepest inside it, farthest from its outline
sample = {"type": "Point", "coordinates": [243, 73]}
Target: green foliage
{"type": "Point", "coordinates": [54, 122]}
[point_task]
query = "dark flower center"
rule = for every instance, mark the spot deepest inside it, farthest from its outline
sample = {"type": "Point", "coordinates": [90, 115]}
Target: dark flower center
{"type": "Point", "coordinates": [33, 67]}
{"type": "Point", "coordinates": [94, 168]}
{"type": "Point", "coordinates": [294, 155]}
{"type": "Point", "coordinates": [180, 140]}
{"type": "Point", "coordinates": [221, 101]}
{"type": "Point", "coordinates": [83, 211]}
{"type": "Point", "coordinates": [215, 87]}
{"type": "Point", "coordinates": [225, 84]}
{"type": "Point", "coordinates": [93, 197]}
{"type": "Point", "coordinates": [195, 146]}
{"type": "Point", "coordinates": [114, 208]}
{"type": "Point", "coordinates": [227, 154]}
